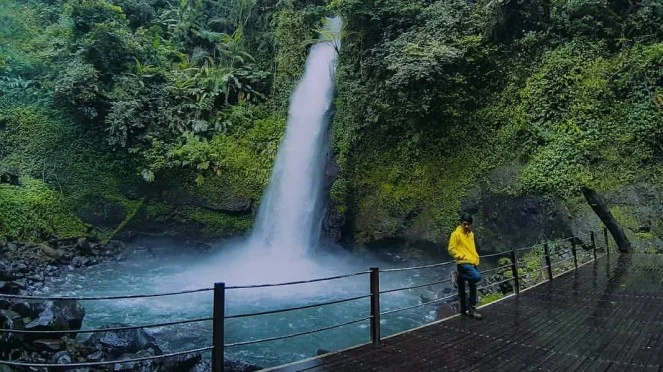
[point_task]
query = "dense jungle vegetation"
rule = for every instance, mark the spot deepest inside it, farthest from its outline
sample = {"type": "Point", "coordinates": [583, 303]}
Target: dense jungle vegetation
{"type": "Point", "coordinates": [170, 112]}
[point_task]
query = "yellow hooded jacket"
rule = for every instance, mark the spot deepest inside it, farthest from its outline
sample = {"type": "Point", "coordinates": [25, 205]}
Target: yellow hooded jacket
{"type": "Point", "coordinates": [462, 248]}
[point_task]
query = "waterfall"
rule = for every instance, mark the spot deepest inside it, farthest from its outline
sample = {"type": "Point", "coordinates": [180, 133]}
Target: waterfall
{"type": "Point", "coordinates": [289, 219]}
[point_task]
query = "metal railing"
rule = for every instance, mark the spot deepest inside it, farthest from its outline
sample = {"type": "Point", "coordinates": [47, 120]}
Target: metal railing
{"type": "Point", "coordinates": [514, 265]}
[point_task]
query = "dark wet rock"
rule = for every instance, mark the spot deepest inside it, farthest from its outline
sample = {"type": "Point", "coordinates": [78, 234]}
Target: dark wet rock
{"type": "Point", "coordinates": [203, 366]}
{"type": "Point", "coordinates": [83, 245]}
{"type": "Point", "coordinates": [10, 320]}
{"type": "Point", "coordinates": [21, 267]}
{"type": "Point", "coordinates": [48, 345]}
{"type": "Point", "coordinates": [236, 365]}
{"type": "Point", "coordinates": [181, 362]}
{"type": "Point", "coordinates": [61, 357]}
{"type": "Point", "coordinates": [140, 366]}
{"type": "Point", "coordinates": [95, 357]}
{"type": "Point", "coordinates": [36, 278]}
{"type": "Point", "coordinates": [6, 271]}
{"type": "Point", "coordinates": [79, 261]}
{"type": "Point", "coordinates": [332, 225]}
{"type": "Point", "coordinates": [117, 343]}
{"type": "Point", "coordinates": [11, 288]}
{"type": "Point", "coordinates": [22, 283]}
{"type": "Point", "coordinates": [60, 315]}
{"type": "Point", "coordinates": [224, 201]}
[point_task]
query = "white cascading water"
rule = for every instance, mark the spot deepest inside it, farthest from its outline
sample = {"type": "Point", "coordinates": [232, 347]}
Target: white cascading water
{"type": "Point", "coordinates": [290, 215]}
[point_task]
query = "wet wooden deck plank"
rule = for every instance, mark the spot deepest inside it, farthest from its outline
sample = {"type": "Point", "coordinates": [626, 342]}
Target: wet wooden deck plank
{"type": "Point", "coordinates": [607, 316]}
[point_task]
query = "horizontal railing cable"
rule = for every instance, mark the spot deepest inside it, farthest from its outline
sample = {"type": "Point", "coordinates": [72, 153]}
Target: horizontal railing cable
{"type": "Point", "coordinates": [505, 267]}
{"type": "Point", "coordinates": [529, 248]}
{"type": "Point", "coordinates": [417, 305]}
{"type": "Point", "coordinates": [555, 262]}
{"type": "Point", "coordinates": [95, 298]}
{"type": "Point", "coordinates": [297, 308]}
{"type": "Point", "coordinates": [296, 334]}
{"type": "Point", "coordinates": [93, 364]}
{"type": "Point", "coordinates": [494, 284]}
{"type": "Point", "coordinates": [496, 254]}
{"type": "Point", "coordinates": [110, 329]}
{"type": "Point", "coordinates": [415, 286]}
{"type": "Point", "coordinates": [297, 282]}
{"type": "Point", "coordinates": [417, 267]}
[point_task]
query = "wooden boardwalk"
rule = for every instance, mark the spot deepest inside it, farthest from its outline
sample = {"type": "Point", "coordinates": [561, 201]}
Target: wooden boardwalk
{"type": "Point", "coordinates": [607, 316]}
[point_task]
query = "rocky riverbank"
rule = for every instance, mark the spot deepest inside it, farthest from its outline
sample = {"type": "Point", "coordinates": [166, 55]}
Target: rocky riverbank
{"type": "Point", "coordinates": [51, 328]}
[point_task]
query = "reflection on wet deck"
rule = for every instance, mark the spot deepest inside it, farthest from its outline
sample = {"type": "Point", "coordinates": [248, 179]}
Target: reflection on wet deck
{"type": "Point", "coordinates": [608, 315]}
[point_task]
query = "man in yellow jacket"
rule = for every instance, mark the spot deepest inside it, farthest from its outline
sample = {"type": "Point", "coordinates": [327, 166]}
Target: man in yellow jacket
{"type": "Point", "coordinates": [464, 251]}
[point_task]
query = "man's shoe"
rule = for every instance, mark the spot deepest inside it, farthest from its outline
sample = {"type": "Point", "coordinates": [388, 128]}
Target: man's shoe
{"type": "Point", "coordinates": [472, 313]}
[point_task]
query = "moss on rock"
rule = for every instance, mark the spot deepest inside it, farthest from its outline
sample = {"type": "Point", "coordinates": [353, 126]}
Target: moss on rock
{"type": "Point", "coordinates": [33, 212]}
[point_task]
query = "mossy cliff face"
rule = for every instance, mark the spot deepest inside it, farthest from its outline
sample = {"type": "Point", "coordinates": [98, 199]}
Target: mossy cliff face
{"type": "Point", "coordinates": [506, 109]}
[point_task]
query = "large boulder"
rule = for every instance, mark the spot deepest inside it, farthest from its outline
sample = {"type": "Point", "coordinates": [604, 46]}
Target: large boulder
{"type": "Point", "coordinates": [10, 320]}
{"type": "Point", "coordinates": [220, 199]}
{"type": "Point", "coordinates": [181, 362]}
{"type": "Point", "coordinates": [48, 345]}
{"type": "Point", "coordinates": [10, 288]}
{"type": "Point", "coordinates": [118, 343]}
{"type": "Point", "coordinates": [59, 315]}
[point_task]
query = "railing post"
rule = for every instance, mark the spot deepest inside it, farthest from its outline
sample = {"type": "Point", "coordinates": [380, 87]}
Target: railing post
{"type": "Point", "coordinates": [218, 324]}
{"type": "Point", "coordinates": [591, 235]}
{"type": "Point", "coordinates": [375, 306]}
{"type": "Point", "coordinates": [547, 251]}
{"type": "Point", "coordinates": [514, 271]}
{"type": "Point", "coordinates": [607, 242]}
{"type": "Point", "coordinates": [462, 297]}
{"type": "Point", "coordinates": [575, 252]}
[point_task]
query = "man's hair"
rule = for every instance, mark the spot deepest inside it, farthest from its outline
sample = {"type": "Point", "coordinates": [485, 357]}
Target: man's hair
{"type": "Point", "coordinates": [465, 217]}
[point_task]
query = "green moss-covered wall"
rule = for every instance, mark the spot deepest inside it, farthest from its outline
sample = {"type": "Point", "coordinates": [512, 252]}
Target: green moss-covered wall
{"type": "Point", "coordinates": [34, 212]}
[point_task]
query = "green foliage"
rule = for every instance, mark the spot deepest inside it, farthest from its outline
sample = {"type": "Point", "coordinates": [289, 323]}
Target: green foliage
{"type": "Point", "coordinates": [409, 194]}
{"type": "Point", "coordinates": [243, 160]}
{"type": "Point", "coordinates": [33, 212]}
{"type": "Point", "coordinates": [491, 297]}
{"type": "Point", "coordinates": [339, 191]}
{"type": "Point", "coordinates": [290, 54]}
{"type": "Point", "coordinates": [98, 96]}
{"type": "Point", "coordinates": [218, 224]}
{"type": "Point", "coordinates": [41, 145]}
{"type": "Point", "coordinates": [78, 89]}
{"type": "Point", "coordinates": [30, 142]}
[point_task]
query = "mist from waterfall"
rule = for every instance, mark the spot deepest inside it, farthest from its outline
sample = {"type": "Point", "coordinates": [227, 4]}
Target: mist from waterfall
{"type": "Point", "coordinates": [289, 219]}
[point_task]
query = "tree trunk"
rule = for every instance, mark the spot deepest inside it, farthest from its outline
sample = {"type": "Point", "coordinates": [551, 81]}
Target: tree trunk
{"type": "Point", "coordinates": [601, 209]}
